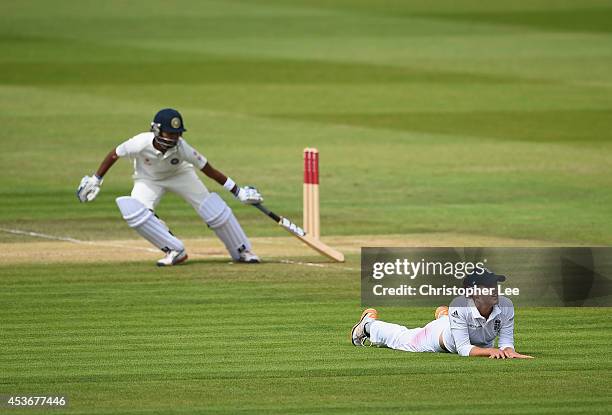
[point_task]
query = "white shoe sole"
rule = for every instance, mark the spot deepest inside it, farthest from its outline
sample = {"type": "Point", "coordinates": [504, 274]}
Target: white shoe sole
{"type": "Point", "coordinates": [250, 261]}
{"type": "Point", "coordinates": [365, 314]}
{"type": "Point", "coordinates": [179, 261]}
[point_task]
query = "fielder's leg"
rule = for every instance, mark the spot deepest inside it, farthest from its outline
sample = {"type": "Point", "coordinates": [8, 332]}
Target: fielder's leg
{"type": "Point", "coordinates": [360, 332]}
{"type": "Point", "coordinates": [441, 311]}
{"type": "Point", "coordinates": [150, 227]}
{"type": "Point", "coordinates": [394, 336]}
{"type": "Point", "coordinates": [220, 218]}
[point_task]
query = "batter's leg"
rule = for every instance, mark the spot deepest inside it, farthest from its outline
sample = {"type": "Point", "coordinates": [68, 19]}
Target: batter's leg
{"type": "Point", "coordinates": [216, 213]}
{"type": "Point", "coordinates": [137, 210]}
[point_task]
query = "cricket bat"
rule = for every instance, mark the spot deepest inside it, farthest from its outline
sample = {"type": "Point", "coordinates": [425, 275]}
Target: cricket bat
{"type": "Point", "coordinates": [299, 233]}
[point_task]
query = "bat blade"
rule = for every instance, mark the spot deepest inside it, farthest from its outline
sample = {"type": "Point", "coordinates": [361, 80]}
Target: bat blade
{"type": "Point", "coordinates": [299, 233]}
{"type": "Point", "coordinates": [315, 244]}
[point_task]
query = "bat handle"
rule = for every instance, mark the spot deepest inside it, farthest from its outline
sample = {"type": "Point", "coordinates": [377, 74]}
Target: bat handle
{"type": "Point", "coordinates": [268, 212]}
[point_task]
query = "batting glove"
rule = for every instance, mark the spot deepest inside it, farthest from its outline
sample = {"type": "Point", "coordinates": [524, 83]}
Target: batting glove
{"type": "Point", "coordinates": [249, 195]}
{"type": "Point", "coordinates": [89, 188]}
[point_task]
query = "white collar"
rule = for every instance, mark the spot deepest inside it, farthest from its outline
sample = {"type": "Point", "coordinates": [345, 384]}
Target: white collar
{"type": "Point", "coordinates": [476, 314]}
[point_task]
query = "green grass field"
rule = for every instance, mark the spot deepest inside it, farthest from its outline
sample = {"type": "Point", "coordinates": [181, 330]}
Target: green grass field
{"type": "Point", "coordinates": [209, 337]}
{"type": "Point", "coordinates": [479, 119]}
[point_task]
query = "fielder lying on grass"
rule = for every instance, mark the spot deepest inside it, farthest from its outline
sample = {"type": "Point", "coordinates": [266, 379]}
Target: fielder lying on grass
{"type": "Point", "coordinates": [468, 327]}
{"type": "Point", "coordinates": [163, 161]}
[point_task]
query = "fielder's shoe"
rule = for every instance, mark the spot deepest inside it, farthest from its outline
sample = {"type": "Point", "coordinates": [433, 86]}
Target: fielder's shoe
{"type": "Point", "coordinates": [173, 258]}
{"type": "Point", "coordinates": [358, 334]}
{"type": "Point", "coordinates": [441, 311]}
{"type": "Point", "coordinates": [248, 257]}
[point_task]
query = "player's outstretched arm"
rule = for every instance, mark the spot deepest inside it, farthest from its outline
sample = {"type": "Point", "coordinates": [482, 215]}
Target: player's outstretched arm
{"type": "Point", "coordinates": [493, 353]}
{"type": "Point", "coordinates": [90, 185]}
{"type": "Point", "coordinates": [247, 195]}
{"type": "Point", "coordinates": [511, 354]}
{"type": "Point", "coordinates": [214, 174]}
{"type": "Point", "coordinates": [490, 352]}
{"type": "Point", "coordinates": [107, 163]}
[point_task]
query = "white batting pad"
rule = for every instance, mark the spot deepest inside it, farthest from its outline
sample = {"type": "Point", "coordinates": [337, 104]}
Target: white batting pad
{"type": "Point", "coordinates": [220, 218]}
{"type": "Point", "coordinates": [143, 221]}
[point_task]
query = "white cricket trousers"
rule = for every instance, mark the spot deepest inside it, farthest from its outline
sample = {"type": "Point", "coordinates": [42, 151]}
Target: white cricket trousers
{"type": "Point", "coordinates": [420, 339]}
{"type": "Point", "coordinates": [185, 184]}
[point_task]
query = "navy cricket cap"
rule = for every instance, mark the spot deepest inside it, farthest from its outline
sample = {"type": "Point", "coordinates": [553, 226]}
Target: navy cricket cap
{"type": "Point", "coordinates": [170, 121]}
{"type": "Point", "coordinates": [487, 279]}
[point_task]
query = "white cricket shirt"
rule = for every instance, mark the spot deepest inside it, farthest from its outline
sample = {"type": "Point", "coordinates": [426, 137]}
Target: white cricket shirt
{"type": "Point", "coordinates": [150, 163]}
{"type": "Point", "coordinates": [467, 328]}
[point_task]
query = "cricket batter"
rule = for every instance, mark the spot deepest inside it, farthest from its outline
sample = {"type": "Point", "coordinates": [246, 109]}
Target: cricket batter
{"type": "Point", "coordinates": [164, 162]}
{"type": "Point", "coordinates": [470, 329]}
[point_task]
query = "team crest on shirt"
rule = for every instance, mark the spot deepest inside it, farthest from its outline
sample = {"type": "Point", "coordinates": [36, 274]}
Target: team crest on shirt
{"type": "Point", "coordinates": [497, 326]}
{"type": "Point", "coordinates": [175, 122]}
{"type": "Point", "coordinates": [147, 161]}
{"type": "Point", "coordinates": [174, 161]}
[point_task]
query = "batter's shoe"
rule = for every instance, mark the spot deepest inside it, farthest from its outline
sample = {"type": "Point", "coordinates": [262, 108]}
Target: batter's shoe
{"type": "Point", "coordinates": [247, 257]}
{"type": "Point", "coordinates": [173, 258]}
{"type": "Point", "coordinates": [441, 311]}
{"type": "Point", "coordinates": [358, 334]}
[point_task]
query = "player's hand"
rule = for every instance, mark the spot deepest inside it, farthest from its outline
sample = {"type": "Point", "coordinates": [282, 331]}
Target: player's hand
{"type": "Point", "coordinates": [496, 354]}
{"type": "Point", "coordinates": [89, 188]}
{"type": "Point", "coordinates": [249, 195]}
{"type": "Point", "coordinates": [511, 354]}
